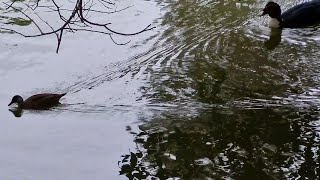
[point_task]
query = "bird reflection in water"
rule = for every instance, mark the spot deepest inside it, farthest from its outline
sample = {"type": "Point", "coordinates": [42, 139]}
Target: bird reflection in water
{"type": "Point", "coordinates": [17, 112]}
{"type": "Point", "coordinates": [274, 40]}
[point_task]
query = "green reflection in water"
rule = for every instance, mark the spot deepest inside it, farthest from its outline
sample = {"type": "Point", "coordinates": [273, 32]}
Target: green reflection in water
{"type": "Point", "coordinates": [19, 21]}
{"type": "Point", "coordinates": [5, 18]}
{"type": "Point", "coordinates": [207, 53]}
{"type": "Point", "coordinates": [212, 53]}
{"type": "Point", "coordinates": [234, 143]}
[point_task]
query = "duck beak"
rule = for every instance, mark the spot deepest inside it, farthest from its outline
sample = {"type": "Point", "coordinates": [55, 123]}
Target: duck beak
{"type": "Point", "coordinates": [264, 12]}
{"type": "Point", "coordinates": [10, 103]}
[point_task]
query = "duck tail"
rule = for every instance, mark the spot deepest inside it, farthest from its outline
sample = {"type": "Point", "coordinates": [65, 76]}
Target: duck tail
{"type": "Point", "coordinates": [61, 95]}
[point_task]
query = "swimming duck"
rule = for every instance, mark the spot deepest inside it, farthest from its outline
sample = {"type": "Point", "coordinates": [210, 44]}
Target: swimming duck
{"type": "Point", "coordinates": [38, 101]}
{"type": "Point", "coordinates": [302, 15]}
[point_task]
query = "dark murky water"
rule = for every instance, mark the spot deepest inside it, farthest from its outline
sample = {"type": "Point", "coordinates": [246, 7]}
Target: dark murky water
{"type": "Point", "coordinates": [211, 93]}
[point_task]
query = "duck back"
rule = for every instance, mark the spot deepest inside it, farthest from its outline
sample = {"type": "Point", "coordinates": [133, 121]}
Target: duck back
{"type": "Point", "coordinates": [42, 101]}
{"type": "Point", "coordinates": [302, 15]}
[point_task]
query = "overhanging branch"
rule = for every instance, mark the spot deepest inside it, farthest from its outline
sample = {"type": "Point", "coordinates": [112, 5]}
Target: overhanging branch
{"type": "Point", "coordinates": [76, 20]}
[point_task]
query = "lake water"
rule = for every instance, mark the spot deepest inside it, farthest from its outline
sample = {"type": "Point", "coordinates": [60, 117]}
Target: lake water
{"type": "Point", "coordinates": [210, 93]}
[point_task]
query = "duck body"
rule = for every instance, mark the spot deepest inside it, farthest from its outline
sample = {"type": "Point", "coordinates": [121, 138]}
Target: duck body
{"type": "Point", "coordinates": [302, 15]}
{"type": "Point", "coordinates": [38, 101]}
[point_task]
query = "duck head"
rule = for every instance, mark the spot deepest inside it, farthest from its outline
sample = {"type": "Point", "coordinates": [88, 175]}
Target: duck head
{"type": "Point", "coordinates": [16, 99]}
{"type": "Point", "coordinates": [274, 11]}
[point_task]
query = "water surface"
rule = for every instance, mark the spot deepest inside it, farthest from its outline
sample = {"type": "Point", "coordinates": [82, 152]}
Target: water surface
{"type": "Point", "coordinates": [211, 93]}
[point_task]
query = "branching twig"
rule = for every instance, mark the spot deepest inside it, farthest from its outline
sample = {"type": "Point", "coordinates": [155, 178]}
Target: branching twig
{"type": "Point", "coordinates": [77, 20]}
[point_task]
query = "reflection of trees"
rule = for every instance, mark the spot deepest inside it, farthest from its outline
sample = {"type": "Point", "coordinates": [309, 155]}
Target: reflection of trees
{"type": "Point", "coordinates": [191, 47]}
{"type": "Point", "coordinates": [205, 54]}
{"type": "Point", "coordinates": [241, 144]}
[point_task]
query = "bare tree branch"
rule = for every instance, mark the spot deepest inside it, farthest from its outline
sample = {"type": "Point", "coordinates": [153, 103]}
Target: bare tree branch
{"type": "Point", "coordinates": [71, 20]}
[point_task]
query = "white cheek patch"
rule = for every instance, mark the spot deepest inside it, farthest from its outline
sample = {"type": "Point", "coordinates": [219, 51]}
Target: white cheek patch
{"type": "Point", "coordinates": [274, 23]}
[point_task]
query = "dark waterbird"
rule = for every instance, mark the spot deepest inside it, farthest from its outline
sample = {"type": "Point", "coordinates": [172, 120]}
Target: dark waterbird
{"type": "Point", "coordinates": [38, 101]}
{"type": "Point", "coordinates": [302, 15]}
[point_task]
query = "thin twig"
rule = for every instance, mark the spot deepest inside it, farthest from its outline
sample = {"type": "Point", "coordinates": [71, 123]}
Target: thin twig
{"type": "Point", "coordinates": [77, 20]}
